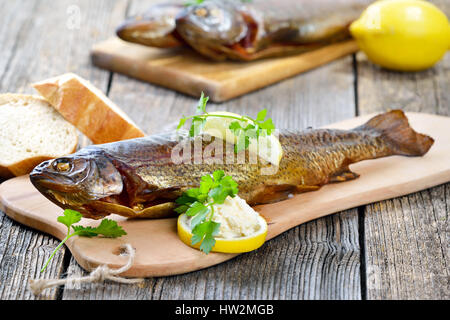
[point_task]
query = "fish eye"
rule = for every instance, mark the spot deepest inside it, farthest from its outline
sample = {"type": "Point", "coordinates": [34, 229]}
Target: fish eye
{"type": "Point", "coordinates": [213, 20]}
{"type": "Point", "coordinates": [209, 14]}
{"type": "Point", "coordinates": [201, 12]}
{"type": "Point", "coordinates": [62, 165]}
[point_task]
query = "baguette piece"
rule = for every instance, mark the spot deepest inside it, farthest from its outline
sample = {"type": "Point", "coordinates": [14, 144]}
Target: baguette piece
{"type": "Point", "coordinates": [88, 109]}
{"type": "Point", "coordinates": [31, 131]}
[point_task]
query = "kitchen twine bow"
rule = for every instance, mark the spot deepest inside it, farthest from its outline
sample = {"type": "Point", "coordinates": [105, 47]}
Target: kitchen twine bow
{"type": "Point", "coordinates": [99, 274]}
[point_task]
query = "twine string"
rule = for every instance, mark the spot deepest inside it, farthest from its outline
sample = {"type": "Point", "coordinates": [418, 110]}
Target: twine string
{"type": "Point", "coordinates": [99, 274]}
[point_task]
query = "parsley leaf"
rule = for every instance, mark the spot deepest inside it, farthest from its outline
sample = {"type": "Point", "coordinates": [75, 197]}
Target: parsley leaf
{"type": "Point", "coordinates": [243, 127]}
{"type": "Point", "coordinates": [69, 217]}
{"type": "Point", "coordinates": [85, 231]}
{"type": "Point", "coordinates": [218, 175]}
{"type": "Point", "coordinates": [198, 203]}
{"type": "Point", "coordinates": [193, 2]}
{"type": "Point", "coordinates": [185, 199]}
{"type": "Point", "coordinates": [206, 184]}
{"type": "Point", "coordinates": [181, 123]}
{"type": "Point", "coordinates": [107, 228]}
{"type": "Point", "coordinates": [201, 107]}
{"type": "Point", "coordinates": [197, 125]}
{"type": "Point", "coordinates": [199, 217]}
{"type": "Point", "coordinates": [195, 208]}
{"type": "Point", "coordinates": [205, 233]}
{"type": "Point", "coordinates": [261, 115]}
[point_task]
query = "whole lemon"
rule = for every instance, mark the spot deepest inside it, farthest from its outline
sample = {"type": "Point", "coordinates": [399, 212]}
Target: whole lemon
{"type": "Point", "coordinates": [405, 35]}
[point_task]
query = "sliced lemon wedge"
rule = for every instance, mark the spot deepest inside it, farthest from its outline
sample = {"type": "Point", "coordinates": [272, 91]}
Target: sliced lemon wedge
{"type": "Point", "coordinates": [234, 245]}
{"type": "Point", "coordinates": [234, 216]}
{"type": "Point", "coordinates": [266, 147]}
{"type": "Point", "coordinates": [219, 127]}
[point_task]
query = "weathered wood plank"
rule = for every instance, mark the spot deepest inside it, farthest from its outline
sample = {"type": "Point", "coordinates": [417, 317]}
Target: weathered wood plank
{"type": "Point", "coordinates": [318, 260]}
{"type": "Point", "coordinates": [21, 249]}
{"type": "Point", "coordinates": [43, 38]}
{"type": "Point", "coordinates": [22, 253]}
{"type": "Point", "coordinates": [407, 246]}
{"type": "Point", "coordinates": [406, 239]}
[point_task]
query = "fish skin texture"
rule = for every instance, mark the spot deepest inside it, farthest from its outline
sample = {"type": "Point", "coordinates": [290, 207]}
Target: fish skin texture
{"type": "Point", "coordinates": [312, 158]}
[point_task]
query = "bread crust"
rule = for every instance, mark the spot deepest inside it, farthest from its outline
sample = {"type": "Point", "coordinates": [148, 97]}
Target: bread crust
{"type": "Point", "coordinates": [26, 165]}
{"type": "Point", "coordinates": [88, 109]}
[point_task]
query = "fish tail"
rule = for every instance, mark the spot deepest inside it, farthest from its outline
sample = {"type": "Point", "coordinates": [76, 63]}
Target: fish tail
{"type": "Point", "coordinates": [395, 131]}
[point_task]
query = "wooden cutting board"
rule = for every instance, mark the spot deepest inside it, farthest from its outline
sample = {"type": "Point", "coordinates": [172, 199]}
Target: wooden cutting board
{"type": "Point", "coordinates": [159, 252]}
{"type": "Point", "coordinates": [183, 70]}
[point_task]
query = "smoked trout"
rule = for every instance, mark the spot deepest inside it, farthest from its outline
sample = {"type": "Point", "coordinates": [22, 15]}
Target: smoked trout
{"type": "Point", "coordinates": [244, 30]}
{"type": "Point", "coordinates": [142, 178]}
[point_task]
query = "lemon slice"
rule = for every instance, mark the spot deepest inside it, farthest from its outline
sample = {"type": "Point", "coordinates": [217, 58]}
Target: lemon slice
{"type": "Point", "coordinates": [219, 127]}
{"type": "Point", "coordinates": [267, 147]}
{"type": "Point", "coordinates": [404, 35]}
{"type": "Point", "coordinates": [233, 245]}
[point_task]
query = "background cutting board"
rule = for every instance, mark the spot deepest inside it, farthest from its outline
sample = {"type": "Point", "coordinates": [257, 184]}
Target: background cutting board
{"type": "Point", "coordinates": [159, 251]}
{"type": "Point", "coordinates": [186, 71]}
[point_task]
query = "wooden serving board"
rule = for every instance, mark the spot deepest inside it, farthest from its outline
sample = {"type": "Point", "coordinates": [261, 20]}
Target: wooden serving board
{"type": "Point", "coordinates": [159, 252]}
{"type": "Point", "coordinates": [183, 70]}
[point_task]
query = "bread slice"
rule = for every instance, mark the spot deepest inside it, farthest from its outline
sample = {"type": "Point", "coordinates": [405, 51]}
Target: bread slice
{"type": "Point", "coordinates": [31, 131]}
{"type": "Point", "coordinates": [88, 109]}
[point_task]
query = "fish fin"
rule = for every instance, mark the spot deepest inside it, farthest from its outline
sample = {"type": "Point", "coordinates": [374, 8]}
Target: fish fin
{"type": "Point", "coordinates": [302, 188]}
{"type": "Point", "coordinates": [163, 210]}
{"type": "Point", "coordinates": [272, 193]}
{"type": "Point", "coordinates": [397, 133]}
{"type": "Point", "coordinates": [154, 28]}
{"type": "Point", "coordinates": [343, 175]}
{"type": "Point", "coordinates": [99, 209]}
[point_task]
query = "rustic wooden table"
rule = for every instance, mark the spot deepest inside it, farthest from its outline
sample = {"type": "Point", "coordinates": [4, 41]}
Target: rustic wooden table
{"type": "Point", "coordinates": [395, 249]}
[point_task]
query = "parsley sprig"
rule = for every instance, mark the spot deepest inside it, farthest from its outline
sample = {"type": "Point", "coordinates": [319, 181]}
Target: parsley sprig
{"type": "Point", "coordinates": [243, 127]}
{"type": "Point", "coordinates": [189, 3]}
{"type": "Point", "coordinates": [198, 203]}
{"type": "Point", "coordinates": [107, 228]}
